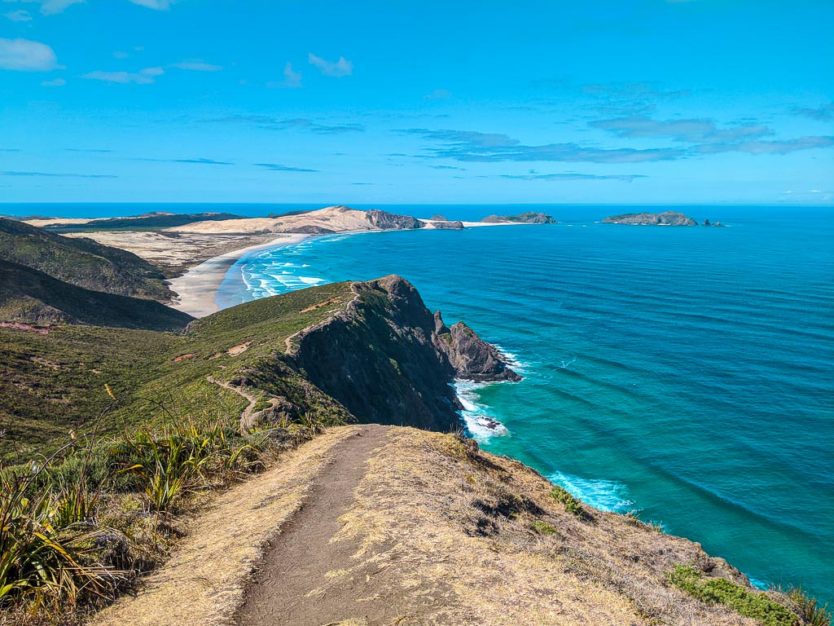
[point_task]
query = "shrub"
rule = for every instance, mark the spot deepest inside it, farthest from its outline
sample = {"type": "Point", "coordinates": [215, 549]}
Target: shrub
{"type": "Point", "coordinates": [543, 528]}
{"type": "Point", "coordinates": [571, 504]}
{"type": "Point", "coordinates": [755, 604]}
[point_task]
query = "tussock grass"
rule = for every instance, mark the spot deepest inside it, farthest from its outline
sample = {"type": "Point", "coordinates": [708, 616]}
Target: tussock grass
{"type": "Point", "coordinates": [79, 526]}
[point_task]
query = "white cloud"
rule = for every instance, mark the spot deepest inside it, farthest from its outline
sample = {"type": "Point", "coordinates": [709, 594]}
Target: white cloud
{"type": "Point", "coordinates": [337, 69]}
{"type": "Point", "coordinates": [156, 5]}
{"type": "Point", "coordinates": [24, 55]}
{"type": "Point", "coordinates": [19, 16]}
{"type": "Point", "coordinates": [142, 77]}
{"type": "Point", "coordinates": [197, 66]}
{"type": "Point", "coordinates": [438, 94]}
{"type": "Point", "coordinates": [52, 7]}
{"type": "Point", "coordinates": [55, 82]}
{"type": "Point", "coordinates": [292, 79]}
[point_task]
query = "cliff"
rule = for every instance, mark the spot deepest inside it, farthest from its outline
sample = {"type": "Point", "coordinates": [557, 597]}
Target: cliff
{"type": "Point", "coordinates": [389, 360]}
{"type": "Point", "coordinates": [666, 218]}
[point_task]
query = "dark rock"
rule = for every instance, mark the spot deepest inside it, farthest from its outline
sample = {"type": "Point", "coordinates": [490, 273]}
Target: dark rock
{"type": "Point", "coordinates": [439, 218]}
{"type": "Point", "coordinates": [456, 225]}
{"type": "Point", "coordinates": [390, 221]}
{"type": "Point", "coordinates": [530, 217]}
{"type": "Point", "coordinates": [471, 357]}
{"type": "Point", "coordinates": [383, 360]}
{"type": "Point", "coordinates": [666, 218]}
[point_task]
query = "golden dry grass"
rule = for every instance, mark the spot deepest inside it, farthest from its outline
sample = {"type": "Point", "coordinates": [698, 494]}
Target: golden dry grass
{"type": "Point", "coordinates": [203, 582]}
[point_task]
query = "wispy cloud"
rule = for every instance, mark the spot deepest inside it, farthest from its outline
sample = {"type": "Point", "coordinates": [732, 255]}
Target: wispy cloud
{"type": "Point", "coordinates": [143, 77]}
{"type": "Point", "coordinates": [292, 79]}
{"type": "Point", "coordinates": [278, 167]}
{"type": "Point", "coordinates": [55, 82]}
{"type": "Point", "coordinates": [438, 94]}
{"type": "Point", "coordinates": [24, 55]}
{"type": "Point", "coordinates": [686, 130]}
{"type": "Point", "coordinates": [197, 65]}
{"type": "Point", "coordinates": [156, 5]}
{"type": "Point", "coordinates": [55, 174]}
{"type": "Point", "coordinates": [448, 167]}
{"type": "Point", "coordinates": [824, 113]}
{"type": "Point", "coordinates": [337, 69]}
{"type": "Point", "coordinates": [194, 161]}
{"type": "Point", "coordinates": [268, 122]}
{"type": "Point", "coordinates": [18, 16]}
{"type": "Point", "coordinates": [768, 147]}
{"type": "Point", "coordinates": [92, 150]}
{"type": "Point", "coordinates": [53, 7]}
{"type": "Point", "coordinates": [533, 175]}
{"type": "Point", "coordinates": [496, 147]}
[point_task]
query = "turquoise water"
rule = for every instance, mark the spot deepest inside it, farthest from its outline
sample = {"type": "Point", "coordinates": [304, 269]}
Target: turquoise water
{"type": "Point", "coordinates": [683, 373]}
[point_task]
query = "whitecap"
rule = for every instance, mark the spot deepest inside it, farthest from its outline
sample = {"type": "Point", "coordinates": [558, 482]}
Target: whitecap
{"type": "Point", "coordinates": [607, 495]}
{"type": "Point", "coordinates": [480, 424]}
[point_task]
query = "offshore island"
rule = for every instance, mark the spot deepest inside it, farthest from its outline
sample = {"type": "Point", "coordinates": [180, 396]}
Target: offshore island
{"type": "Point", "coordinates": [296, 459]}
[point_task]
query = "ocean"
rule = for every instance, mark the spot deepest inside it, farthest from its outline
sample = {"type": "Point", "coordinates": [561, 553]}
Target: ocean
{"type": "Point", "coordinates": [686, 374]}
{"type": "Point", "coordinates": [682, 373]}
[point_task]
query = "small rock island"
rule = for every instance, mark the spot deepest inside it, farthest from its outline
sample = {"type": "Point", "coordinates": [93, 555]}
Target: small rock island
{"type": "Point", "coordinates": [530, 217]}
{"type": "Point", "coordinates": [666, 218]}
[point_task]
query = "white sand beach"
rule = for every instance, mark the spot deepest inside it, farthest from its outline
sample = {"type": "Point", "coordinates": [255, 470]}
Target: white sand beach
{"type": "Point", "coordinates": [197, 287]}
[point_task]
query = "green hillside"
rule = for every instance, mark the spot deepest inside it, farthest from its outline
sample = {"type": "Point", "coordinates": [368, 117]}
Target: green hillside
{"type": "Point", "coordinates": [55, 383]}
{"type": "Point", "coordinates": [81, 262]}
{"type": "Point", "coordinates": [31, 297]}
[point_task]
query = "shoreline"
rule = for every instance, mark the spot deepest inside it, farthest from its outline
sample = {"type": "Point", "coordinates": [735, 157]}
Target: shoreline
{"type": "Point", "coordinates": [197, 288]}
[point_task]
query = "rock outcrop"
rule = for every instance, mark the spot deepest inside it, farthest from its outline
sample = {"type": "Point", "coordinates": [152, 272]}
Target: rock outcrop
{"type": "Point", "coordinates": [391, 221]}
{"type": "Point", "coordinates": [471, 357]}
{"type": "Point", "coordinates": [666, 218]}
{"type": "Point", "coordinates": [447, 225]}
{"type": "Point", "coordinates": [387, 359]}
{"type": "Point", "coordinates": [530, 217]}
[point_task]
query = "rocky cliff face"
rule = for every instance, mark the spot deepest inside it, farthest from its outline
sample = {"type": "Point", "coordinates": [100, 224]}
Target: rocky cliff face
{"type": "Point", "coordinates": [390, 221]}
{"type": "Point", "coordinates": [387, 359]}
{"type": "Point", "coordinates": [666, 218]}
{"type": "Point", "coordinates": [471, 357]}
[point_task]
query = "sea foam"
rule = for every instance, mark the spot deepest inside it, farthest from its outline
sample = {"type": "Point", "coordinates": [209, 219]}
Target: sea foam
{"type": "Point", "coordinates": [607, 495]}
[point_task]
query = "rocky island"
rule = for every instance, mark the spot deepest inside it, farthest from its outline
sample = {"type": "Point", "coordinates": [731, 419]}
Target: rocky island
{"type": "Point", "coordinates": [530, 217]}
{"type": "Point", "coordinates": [665, 218]}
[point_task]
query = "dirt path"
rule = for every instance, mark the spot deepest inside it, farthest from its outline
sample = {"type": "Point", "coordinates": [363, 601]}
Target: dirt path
{"type": "Point", "coordinates": [301, 580]}
{"type": "Point", "coordinates": [250, 398]}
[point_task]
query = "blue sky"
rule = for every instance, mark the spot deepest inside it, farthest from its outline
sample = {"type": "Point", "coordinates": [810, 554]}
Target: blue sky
{"type": "Point", "coordinates": [619, 101]}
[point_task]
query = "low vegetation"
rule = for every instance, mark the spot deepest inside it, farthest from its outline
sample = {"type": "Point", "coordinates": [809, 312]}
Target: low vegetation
{"type": "Point", "coordinates": [571, 504]}
{"type": "Point", "coordinates": [82, 524]}
{"type": "Point", "coordinates": [81, 262]}
{"type": "Point", "coordinates": [754, 604]}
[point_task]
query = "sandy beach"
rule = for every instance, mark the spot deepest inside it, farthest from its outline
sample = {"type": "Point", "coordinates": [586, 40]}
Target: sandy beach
{"type": "Point", "coordinates": [197, 287]}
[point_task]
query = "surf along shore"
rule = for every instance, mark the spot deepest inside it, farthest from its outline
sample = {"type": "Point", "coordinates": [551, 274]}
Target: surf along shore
{"type": "Point", "coordinates": [197, 288]}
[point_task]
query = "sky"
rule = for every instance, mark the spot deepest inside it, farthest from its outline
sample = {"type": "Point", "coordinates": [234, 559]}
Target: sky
{"type": "Point", "coordinates": [389, 101]}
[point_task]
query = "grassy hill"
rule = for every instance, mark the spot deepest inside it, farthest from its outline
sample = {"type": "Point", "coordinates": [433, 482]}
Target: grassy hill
{"type": "Point", "coordinates": [148, 221]}
{"type": "Point", "coordinates": [32, 297]}
{"type": "Point", "coordinates": [81, 262]}
{"type": "Point", "coordinates": [55, 383]}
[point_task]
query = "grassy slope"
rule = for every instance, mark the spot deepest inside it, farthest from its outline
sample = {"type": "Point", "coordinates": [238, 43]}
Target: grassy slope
{"type": "Point", "coordinates": [30, 296]}
{"type": "Point", "coordinates": [151, 221]}
{"type": "Point", "coordinates": [51, 384]}
{"type": "Point", "coordinates": [81, 262]}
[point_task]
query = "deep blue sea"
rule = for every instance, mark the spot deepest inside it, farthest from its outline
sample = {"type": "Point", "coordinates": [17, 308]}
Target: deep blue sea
{"type": "Point", "coordinates": [684, 373]}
